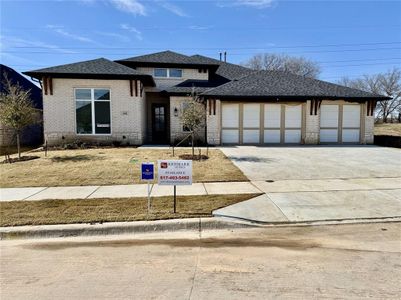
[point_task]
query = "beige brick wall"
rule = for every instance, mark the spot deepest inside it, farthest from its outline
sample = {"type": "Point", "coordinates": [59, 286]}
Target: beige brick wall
{"type": "Point", "coordinates": [127, 113]}
{"type": "Point", "coordinates": [176, 129]}
{"type": "Point", "coordinates": [312, 125]}
{"type": "Point", "coordinates": [213, 125]}
{"type": "Point", "coordinates": [369, 129]}
{"type": "Point", "coordinates": [162, 83]}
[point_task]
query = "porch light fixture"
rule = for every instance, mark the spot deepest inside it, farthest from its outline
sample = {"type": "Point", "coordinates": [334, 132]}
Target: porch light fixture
{"type": "Point", "coordinates": [175, 112]}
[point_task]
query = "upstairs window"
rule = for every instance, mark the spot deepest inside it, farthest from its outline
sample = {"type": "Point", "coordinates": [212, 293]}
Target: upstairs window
{"type": "Point", "coordinates": [93, 111]}
{"type": "Point", "coordinates": [175, 73]}
{"type": "Point", "coordinates": [164, 73]}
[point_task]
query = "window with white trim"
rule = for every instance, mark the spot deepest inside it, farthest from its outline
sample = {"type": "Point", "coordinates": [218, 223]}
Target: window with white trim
{"type": "Point", "coordinates": [92, 107]}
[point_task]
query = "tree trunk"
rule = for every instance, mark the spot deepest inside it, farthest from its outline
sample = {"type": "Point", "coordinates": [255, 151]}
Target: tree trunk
{"type": "Point", "coordinates": [18, 145]}
{"type": "Point", "coordinates": [193, 147]}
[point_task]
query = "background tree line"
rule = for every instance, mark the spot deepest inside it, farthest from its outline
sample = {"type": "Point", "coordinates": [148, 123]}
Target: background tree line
{"type": "Point", "coordinates": [387, 83]}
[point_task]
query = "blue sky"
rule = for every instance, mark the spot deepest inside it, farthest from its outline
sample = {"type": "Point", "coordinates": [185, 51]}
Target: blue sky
{"type": "Point", "coordinates": [349, 38]}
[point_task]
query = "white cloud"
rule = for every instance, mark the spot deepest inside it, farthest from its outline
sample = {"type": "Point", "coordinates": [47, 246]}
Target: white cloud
{"type": "Point", "coordinates": [198, 27]}
{"type": "Point", "coordinates": [117, 36]}
{"type": "Point", "coordinates": [14, 42]}
{"type": "Point", "coordinates": [132, 29]}
{"type": "Point", "coordinates": [250, 3]}
{"type": "Point", "coordinates": [130, 6]}
{"type": "Point", "coordinates": [173, 8]}
{"type": "Point", "coordinates": [61, 31]}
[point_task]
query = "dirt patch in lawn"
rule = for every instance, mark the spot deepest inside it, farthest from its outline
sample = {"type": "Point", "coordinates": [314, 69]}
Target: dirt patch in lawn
{"type": "Point", "coordinates": [16, 213]}
{"type": "Point", "coordinates": [108, 166]}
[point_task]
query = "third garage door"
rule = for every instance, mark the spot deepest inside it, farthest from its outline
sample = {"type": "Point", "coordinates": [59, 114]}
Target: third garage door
{"type": "Point", "coordinates": [340, 123]}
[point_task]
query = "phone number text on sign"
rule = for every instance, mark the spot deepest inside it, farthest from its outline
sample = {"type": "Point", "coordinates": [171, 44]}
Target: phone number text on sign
{"type": "Point", "coordinates": [174, 172]}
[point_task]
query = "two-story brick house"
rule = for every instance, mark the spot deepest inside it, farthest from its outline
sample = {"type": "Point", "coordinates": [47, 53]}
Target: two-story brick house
{"type": "Point", "coordinates": [138, 100]}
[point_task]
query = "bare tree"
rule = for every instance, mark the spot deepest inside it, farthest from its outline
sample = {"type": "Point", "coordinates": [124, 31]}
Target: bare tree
{"type": "Point", "coordinates": [17, 110]}
{"type": "Point", "coordinates": [388, 84]}
{"type": "Point", "coordinates": [283, 62]}
{"type": "Point", "coordinates": [193, 117]}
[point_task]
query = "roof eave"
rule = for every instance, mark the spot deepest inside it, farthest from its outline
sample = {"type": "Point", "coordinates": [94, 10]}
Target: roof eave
{"type": "Point", "coordinates": [298, 98]}
{"type": "Point", "coordinates": [166, 64]}
{"type": "Point", "coordinates": [146, 79]}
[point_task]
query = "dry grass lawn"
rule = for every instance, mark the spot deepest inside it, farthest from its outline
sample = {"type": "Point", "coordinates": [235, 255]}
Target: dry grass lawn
{"type": "Point", "coordinates": [107, 166]}
{"type": "Point", "coordinates": [393, 129]}
{"type": "Point", "coordinates": [16, 213]}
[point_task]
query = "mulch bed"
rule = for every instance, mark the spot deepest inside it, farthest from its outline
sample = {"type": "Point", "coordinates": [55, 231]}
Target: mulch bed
{"type": "Point", "coordinates": [16, 159]}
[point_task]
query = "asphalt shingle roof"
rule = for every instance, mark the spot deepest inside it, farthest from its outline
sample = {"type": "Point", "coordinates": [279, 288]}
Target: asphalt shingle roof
{"type": "Point", "coordinates": [186, 87]}
{"type": "Point", "coordinates": [284, 84]}
{"type": "Point", "coordinates": [100, 67]}
{"type": "Point", "coordinates": [167, 57]}
{"type": "Point", "coordinates": [25, 84]}
{"type": "Point", "coordinates": [225, 69]}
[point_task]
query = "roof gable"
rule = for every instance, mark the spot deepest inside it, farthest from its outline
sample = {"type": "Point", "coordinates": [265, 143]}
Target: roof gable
{"type": "Point", "coordinates": [96, 68]}
{"type": "Point", "coordinates": [167, 58]}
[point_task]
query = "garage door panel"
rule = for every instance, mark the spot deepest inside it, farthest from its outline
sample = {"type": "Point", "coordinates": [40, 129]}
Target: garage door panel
{"type": "Point", "coordinates": [230, 136]}
{"type": "Point", "coordinates": [272, 118]}
{"type": "Point", "coordinates": [251, 115]}
{"type": "Point", "coordinates": [293, 116]}
{"type": "Point", "coordinates": [272, 136]}
{"type": "Point", "coordinates": [230, 115]}
{"type": "Point", "coordinates": [329, 135]}
{"type": "Point", "coordinates": [292, 136]}
{"type": "Point", "coordinates": [352, 116]}
{"type": "Point", "coordinates": [329, 116]}
{"type": "Point", "coordinates": [350, 135]}
{"type": "Point", "coordinates": [251, 136]}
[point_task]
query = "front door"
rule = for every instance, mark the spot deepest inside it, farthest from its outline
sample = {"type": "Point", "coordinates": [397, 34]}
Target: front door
{"type": "Point", "coordinates": [159, 126]}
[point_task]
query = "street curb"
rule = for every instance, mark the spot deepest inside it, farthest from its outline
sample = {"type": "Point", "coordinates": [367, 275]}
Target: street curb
{"type": "Point", "coordinates": [75, 230]}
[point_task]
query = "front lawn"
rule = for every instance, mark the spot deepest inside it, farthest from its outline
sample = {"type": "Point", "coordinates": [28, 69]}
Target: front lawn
{"type": "Point", "coordinates": [107, 166]}
{"type": "Point", "coordinates": [16, 213]}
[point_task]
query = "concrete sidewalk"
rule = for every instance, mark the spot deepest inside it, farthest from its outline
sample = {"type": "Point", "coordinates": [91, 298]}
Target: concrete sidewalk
{"type": "Point", "coordinates": [124, 191]}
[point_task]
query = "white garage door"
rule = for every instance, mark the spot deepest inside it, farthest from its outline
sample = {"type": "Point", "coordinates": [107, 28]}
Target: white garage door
{"type": "Point", "coordinates": [256, 123]}
{"type": "Point", "coordinates": [293, 124]}
{"type": "Point", "coordinates": [251, 123]}
{"type": "Point", "coordinates": [230, 124]}
{"type": "Point", "coordinates": [329, 123]}
{"type": "Point", "coordinates": [351, 123]}
{"type": "Point", "coordinates": [272, 123]}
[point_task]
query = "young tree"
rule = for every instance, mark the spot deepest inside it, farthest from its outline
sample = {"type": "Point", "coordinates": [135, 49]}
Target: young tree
{"type": "Point", "coordinates": [17, 110]}
{"type": "Point", "coordinates": [193, 117]}
{"type": "Point", "coordinates": [388, 84]}
{"type": "Point", "coordinates": [283, 62]}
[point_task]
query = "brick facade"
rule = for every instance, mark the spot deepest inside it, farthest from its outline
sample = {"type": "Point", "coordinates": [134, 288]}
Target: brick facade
{"type": "Point", "coordinates": [127, 113]}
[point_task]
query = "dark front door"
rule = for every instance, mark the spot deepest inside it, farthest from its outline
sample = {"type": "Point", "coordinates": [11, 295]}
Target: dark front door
{"type": "Point", "coordinates": [159, 125]}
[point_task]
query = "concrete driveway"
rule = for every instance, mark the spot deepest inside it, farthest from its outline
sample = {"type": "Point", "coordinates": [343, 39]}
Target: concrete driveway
{"type": "Point", "coordinates": [313, 183]}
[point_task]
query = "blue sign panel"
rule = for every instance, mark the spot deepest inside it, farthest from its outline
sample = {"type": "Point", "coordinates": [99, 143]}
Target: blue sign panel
{"type": "Point", "coordinates": [147, 171]}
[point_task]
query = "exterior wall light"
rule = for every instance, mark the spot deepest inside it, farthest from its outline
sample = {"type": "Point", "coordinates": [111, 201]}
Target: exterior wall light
{"type": "Point", "coordinates": [175, 112]}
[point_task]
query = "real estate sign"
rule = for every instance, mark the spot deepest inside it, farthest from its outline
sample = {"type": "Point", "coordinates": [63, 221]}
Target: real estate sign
{"type": "Point", "coordinates": [174, 172]}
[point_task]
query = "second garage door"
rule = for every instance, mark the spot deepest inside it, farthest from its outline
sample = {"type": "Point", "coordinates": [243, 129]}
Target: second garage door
{"type": "Point", "coordinates": [259, 123]}
{"type": "Point", "coordinates": [340, 123]}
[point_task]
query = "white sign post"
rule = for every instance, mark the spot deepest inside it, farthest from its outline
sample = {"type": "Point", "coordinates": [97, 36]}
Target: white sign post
{"type": "Point", "coordinates": [174, 172]}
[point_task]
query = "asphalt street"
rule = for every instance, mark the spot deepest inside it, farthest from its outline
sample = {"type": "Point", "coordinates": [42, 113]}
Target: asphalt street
{"type": "Point", "coordinates": [304, 262]}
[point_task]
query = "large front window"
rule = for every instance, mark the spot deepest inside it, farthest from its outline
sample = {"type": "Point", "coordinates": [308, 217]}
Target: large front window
{"type": "Point", "coordinates": [93, 111]}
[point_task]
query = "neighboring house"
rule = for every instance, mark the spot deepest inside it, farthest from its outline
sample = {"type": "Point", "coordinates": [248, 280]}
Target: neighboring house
{"type": "Point", "coordinates": [139, 100]}
{"type": "Point", "coordinates": [32, 135]}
